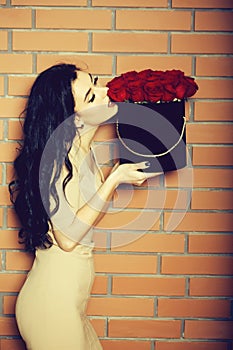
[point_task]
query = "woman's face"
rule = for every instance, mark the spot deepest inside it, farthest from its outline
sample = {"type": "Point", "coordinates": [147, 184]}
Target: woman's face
{"type": "Point", "coordinates": [91, 100]}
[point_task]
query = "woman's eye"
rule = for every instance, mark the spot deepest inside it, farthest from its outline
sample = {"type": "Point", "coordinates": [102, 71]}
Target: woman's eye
{"type": "Point", "coordinates": [92, 98]}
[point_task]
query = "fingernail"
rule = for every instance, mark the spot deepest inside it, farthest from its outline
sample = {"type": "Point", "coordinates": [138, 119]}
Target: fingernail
{"type": "Point", "coordinates": [147, 163]}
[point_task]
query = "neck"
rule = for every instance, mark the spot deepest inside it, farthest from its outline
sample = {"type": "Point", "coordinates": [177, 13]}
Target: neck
{"type": "Point", "coordinates": [87, 135]}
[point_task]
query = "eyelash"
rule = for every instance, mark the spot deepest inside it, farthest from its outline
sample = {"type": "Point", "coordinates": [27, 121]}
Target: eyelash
{"type": "Point", "coordinates": [93, 96]}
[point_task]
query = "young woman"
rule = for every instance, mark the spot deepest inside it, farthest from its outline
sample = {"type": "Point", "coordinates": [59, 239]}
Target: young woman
{"type": "Point", "coordinates": [59, 194]}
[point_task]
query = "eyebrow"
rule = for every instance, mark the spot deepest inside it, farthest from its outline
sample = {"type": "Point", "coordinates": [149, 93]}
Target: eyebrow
{"type": "Point", "coordinates": [89, 90]}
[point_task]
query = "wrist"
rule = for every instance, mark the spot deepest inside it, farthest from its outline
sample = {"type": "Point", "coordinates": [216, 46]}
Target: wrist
{"type": "Point", "coordinates": [114, 180]}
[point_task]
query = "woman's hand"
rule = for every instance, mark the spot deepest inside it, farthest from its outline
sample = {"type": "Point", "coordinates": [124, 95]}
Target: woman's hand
{"type": "Point", "coordinates": [128, 173]}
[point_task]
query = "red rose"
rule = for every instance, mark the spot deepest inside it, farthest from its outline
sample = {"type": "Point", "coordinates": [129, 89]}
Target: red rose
{"type": "Point", "coordinates": [118, 90]}
{"type": "Point", "coordinates": [153, 91]}
{"type": "Point", "coordinates": [173, 76]}
{"type": "Point", "coordinates": [135, 90]}
{"type": "Point", "coordinates": [130, 76]}
{"type": "Point", "coordinates": [169, 92]}
{"type": "Point", "coordinates": [145, 74]}
{"type": "Point", "coordinates": [186, 88]}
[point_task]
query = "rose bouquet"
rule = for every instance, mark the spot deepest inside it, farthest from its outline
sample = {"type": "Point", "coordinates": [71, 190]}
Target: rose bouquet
{"type": "Point", "coordinates": [155, 133]}
{"type": "Point", "coordinates": [151, 86]}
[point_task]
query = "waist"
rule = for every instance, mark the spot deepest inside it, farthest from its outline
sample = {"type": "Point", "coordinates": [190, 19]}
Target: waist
{"type": "Point", "coordinates": [80, 251]}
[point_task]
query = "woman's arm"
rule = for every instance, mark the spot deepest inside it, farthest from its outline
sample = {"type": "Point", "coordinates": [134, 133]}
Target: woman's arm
{"type": "Point", "coordinates": [72, 227]}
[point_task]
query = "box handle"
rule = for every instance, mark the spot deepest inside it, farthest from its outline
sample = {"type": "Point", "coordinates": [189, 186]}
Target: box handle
{"type": "Point", "coordinates": [153, 155]}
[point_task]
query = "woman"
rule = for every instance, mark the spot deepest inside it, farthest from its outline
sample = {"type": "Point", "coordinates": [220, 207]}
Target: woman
{"type": "Point", "coordinates": [59, 195]}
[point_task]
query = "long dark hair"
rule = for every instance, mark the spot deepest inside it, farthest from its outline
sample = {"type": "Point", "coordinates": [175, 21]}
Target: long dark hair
{"type": "Point", "coordinates": [50, 103]}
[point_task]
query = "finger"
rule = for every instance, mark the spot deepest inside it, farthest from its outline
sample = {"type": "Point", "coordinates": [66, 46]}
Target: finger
{"type": "Point", "coordinates": [142, 165]}
{"type": "Point", "coordinates": [149, 175]}
{"type": "Point", "coordinates": [115, 166]}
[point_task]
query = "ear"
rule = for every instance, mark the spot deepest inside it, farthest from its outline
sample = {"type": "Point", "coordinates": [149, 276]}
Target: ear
{"type": "Point", "coordinates": [78, 121]}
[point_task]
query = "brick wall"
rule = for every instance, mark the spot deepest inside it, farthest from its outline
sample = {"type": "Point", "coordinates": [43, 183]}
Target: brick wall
{"type": "Point", "coordinates": [164, 290]}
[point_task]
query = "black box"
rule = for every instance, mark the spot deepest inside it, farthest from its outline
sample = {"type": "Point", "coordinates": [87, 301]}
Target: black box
{"type": "Point", "coordinates": [153, 132]}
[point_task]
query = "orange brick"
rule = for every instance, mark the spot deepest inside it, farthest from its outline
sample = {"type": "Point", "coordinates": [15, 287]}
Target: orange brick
{"type": "Point", "coordinates": [1, 129]}
{"type": "Point", "coordinates": [3, 40]}
{"type": "Point", "coordinates": [9, 239]}
{"type": "Point", "coordinates": [12, 219]}
{"type": "Point", "coordinates": [210, 243]}
{"type": "Point", "coordinates": [121, 306]}
{"type": "Point", "coordinates": [101, 64]}
{"type": "Point", "coordinates": [128, 220]}
{"type": "Point", "coordinates": [218, 265]}
{"type": "Point", "coordinates": [212, 156]}
{"type": "Point", "coordinates": [127, 242]}
{"type": "Point", "coordinates": [15, 63]}
{"type": "Point", "coordinates": [49, 41]}
{"type": "Point", "coordinates": [203, 4]}
{"type": "Point", "coordinates": [221, 200]}
{"type": "Point", "coordinates": [129, 3]}
{"type": "Point", "coordinates": [12, 107]}
{"type": "Point", "coordinates": [74, 19]}
{"type": "Point", "coordinates": [213, 111]}
{"type": "Point", "coordinates": [49, 2]}
{"type": "Point", "coordinates": [215, 21]}
{"type": "Point", "coordinates": [1, 216]}
{"type": "Point", "coordinates": [208, 329]}
{"type": "Point", "coordinates": [129, 42]}
{"type": "Point", "coordinates": [201, 43]}
{"type": "Point", "coordinates": [20, 85]}
{"type": "Point", "coordinates": [125, 263]}
{"type": "Point", "coordinates": [8, 151]}
{"type": "Point", "coordinates": [144, 328]}
{"type": "Point", "coordinates": [1, 170]}
{"type": "Point", "coordinates": [193, 345]}
{"type": "Point", "coordinates": [1, 86]}
{"type": "Point", "coordinates": [153, 20]}
{"type": "Point", "coordinates": [100, 240]}
{"type": "Point", "coordinates": [15, 18]}
{"type": "Point", "coordinates": [209, 133]}
{"type": "Point", "coordinates": [9, 304]}
{"type": "Point", "coordinates": [194, 308]}
{"type": "Point", "coordinates": [15, 131]}
{"type": "Point", "coordinates": [9, 344]}
{"type": "Point", "coordinates": [99, 326]}
{"type": "Point", "coordinates": [215, 88]}
{"type": "Point", "coordinates": [4, 196]}
{"type": "Point", "coordinates": [211, 286]}
{"type": "Point", "coordinates": [12, 282]}
{"type": "Point", "coordinates": [210, 222]}
{"type": "Point", "coordinates": [148, 286]}
{"type": "Point", "coordinates": [8, 326]}
{"type": "Point", "coordinates": [213, 178]}
{"type": "Point", "coordinates": [180, 178]}
{"type": "Point", "coordinates": [3, 2]}
{"type": "Point", "coordinates": [100, 285]}
{"type": "Point", "coordinates": [19, 261]}
{"type": "Point", "coordinates": [214, 66]}
{"type": "Point", "coordinates": [109, 344]}
{"type": "Point", "coordinates": [124, 63]}
{"type": "Point", "coordinates": [155, 199]}
{"type": "Point", "coordinates": [10, 175]}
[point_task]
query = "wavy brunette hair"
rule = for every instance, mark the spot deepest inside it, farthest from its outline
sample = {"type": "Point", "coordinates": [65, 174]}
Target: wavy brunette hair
{"type": "Point", "coordinates": [50, 104]}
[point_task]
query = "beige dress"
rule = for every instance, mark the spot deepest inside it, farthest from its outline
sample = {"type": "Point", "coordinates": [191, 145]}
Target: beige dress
{"type": "Point", "coordinates": [50, 308]}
